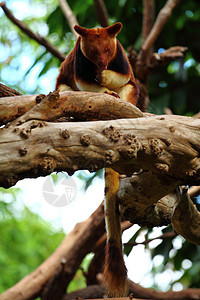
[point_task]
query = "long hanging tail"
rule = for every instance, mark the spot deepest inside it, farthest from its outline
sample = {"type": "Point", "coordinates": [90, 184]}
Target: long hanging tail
{"type": "Point", "coordinates": [115, 273]}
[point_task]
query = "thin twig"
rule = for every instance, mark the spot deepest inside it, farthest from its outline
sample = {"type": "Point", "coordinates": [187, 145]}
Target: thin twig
{"type": "Point", "coordinates": [161, 20]}
{"type": "Point", "coordinates": [161, 237]}
{"type": "Point", "coordinates": [38, 38]}
{"type": "Point", "coordinates": [101, 12]}
{"type": "Point", "coordinates": [72, 20]}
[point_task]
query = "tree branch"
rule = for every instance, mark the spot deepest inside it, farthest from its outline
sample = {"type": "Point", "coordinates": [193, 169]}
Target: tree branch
{"type": "Point", "coordinates": [144, 199]}
{"type": "Point", "coordinates": [194, 191]}
{"type": "Point", "coordinates": [72, 20]}
{"type": "Point", "coordinates": [161, 20]}
{"type": "Point", "coordinates": [64, 261]}
{"type": "Point", "coordinates": [186, 219]}
{"type": "Point", "coordinates": [138, 292]}
{"type": "Point", "coordinates": [38, 38]}
{"type": "Point", "coordinates": [101, 12]}
{"type": "Point", "coordinates": [148, 17]}
{"type": "Point", "coordinates": [145, 293]}
{"type": "Point", "coordinates": [168, 55]}
{"type": "Point", "coordinates": [81, 105]}
{"type": "Point", "coordinates": [166, 145]}
{"type": "Point", "coordinates": [6, 91]}
{"type": "Point", "coordinates": [160, 237]}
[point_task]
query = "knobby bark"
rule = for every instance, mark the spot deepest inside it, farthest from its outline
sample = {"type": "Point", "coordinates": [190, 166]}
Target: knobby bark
{"type": "Point", "coordinates": [166, 149]}
{"type": "Point", "coordinates": [80, 105]}
{"type": "Point", "coordinates": [165, 145]}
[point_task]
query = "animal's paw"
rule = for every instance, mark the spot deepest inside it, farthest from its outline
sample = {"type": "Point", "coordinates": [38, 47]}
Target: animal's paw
{"type": "Point", "coordinates": [112, 94]}
{"type": "Point", "coordinates": [104, 78]}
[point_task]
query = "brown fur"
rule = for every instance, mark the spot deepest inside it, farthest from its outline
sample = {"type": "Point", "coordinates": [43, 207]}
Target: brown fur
{"type": "Point", "coordinates": [115, 273]}
{"type": "Point", "coordinates": [98, 63]}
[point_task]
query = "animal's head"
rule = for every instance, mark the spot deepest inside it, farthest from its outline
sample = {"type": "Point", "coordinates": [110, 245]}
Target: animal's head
{"type": "Point", "coordinates": [99, 44]}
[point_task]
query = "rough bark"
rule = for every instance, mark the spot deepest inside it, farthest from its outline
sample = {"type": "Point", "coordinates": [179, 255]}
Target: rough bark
{"type": "Point", "coordinates": [166, 148]}
{"type": "Point", "coordinates": [174, 157]}
{"type": "Point", "coordinates": [80, 105]}
{"type": "Point", "coordinates": [165, 145]}
{"type": "Point", "coordinates": [186, 219]}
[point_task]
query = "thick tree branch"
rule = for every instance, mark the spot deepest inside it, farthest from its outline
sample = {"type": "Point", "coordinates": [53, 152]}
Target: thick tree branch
{"type": "Point", "coordinates": [101, 12]}
{"type": "Point", "coordinates": [81, 105]}
{"type": "Point", "coordinates": [166, 145]}
{"type": "Point", "coordinates": [139, 198]}
{"type": "Point", "coordinates": [186, 219]}
{"type": "Point", "coordinates": [145, 293]}
{"type": "Point", "coordinates": [144, 199]}
{"type": "Point", "coordinates": [72, 20]}
{"type": "Point", "coordinates": [138, 292]}
{"type": "Point", "coordinates": [38, 38]}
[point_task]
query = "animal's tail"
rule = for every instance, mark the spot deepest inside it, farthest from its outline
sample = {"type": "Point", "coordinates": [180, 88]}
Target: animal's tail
{"type": "Point", "coordinates": [115, 273]}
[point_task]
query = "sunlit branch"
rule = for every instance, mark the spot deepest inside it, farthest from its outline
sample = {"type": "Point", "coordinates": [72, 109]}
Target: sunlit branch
{"type": "Point", "coordinates": [72, 20]}
{"type": "Point", "coordinates": [38, 38]}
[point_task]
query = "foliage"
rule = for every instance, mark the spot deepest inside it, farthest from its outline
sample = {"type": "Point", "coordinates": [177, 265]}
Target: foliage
{"type": "Point", "coordinates": [28, 67]}
{"type": "Point", "coordinates": [79, 281]}
{"type": "Point", "coordinates": [34, 70]}
{"type": "Point", "coordinates": [26, 239]}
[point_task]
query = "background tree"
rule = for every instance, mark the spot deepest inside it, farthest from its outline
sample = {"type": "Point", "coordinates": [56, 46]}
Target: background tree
{"type": "Point", "coordinates": [174, 87]}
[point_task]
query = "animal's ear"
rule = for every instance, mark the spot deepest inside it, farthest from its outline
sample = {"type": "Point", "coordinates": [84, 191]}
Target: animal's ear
{"type": "Point", "coordinates": [114, 29]}
{"type": "Point", "coordinates": [81, 30]}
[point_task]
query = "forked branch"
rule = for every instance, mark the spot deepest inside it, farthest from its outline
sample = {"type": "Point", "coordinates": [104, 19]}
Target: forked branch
{"type": "Point", "coordinates": [161, 20]}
